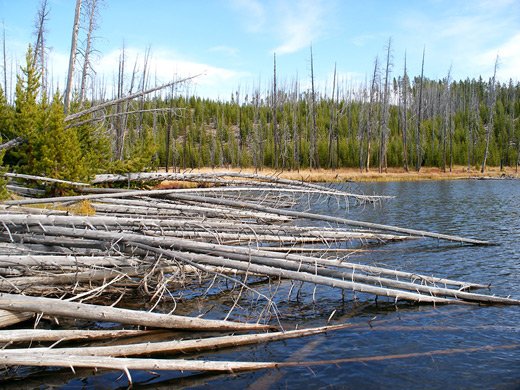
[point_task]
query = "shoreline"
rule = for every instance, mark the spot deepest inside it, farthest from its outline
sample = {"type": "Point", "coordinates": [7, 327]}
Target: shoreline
{"type": "Point", "coordinates": [393, 174]}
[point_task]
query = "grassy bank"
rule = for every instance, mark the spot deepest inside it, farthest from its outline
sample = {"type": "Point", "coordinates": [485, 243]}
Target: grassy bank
{"type": "Point", "coordinates": [393, 174]}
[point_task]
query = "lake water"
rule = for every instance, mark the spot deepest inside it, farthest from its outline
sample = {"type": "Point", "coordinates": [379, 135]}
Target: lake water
{"type": "Point", "coordinates": [405, 345]}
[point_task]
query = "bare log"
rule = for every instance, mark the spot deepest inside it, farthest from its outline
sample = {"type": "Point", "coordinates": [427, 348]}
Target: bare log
{"type": "Point", "coordinates": [32, 335]}
{"type": "Point", "coordinates": [328, 218]}
{"type": "Point", "coordinates": [44, 359]}
{"type": "Point", "coordinates": [12, 143]}
{"type": "Point", "coordinates": [42, 178]}
{"type": "Point", "coordinates": [102, 106]}
{"type": "Point", "coordinates": [8, 317]}
{"type": "Point", "coordinates": [175, 346]}
{"type": "Point", "coordinates": [60, 308]}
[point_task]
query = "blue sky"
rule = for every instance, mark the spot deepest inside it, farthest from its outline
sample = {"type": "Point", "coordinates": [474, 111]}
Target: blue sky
{"type": "Point", "coordinates": [232, 41]}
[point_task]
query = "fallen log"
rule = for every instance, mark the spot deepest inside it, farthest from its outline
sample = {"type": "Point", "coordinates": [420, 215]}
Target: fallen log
{"type": "Point", "coordinates": [33, 335]}
{"type": "Point", "coordinates": [328, 218]}
{"type": "Point", "coordinates": [12, 143]}
{"type": "Point", "coordinates": [174, 346]}
{"type": "Point", "coordinates": [43, 178]}
{"type": "Point", "coordinates": [60, 308]}
{"type": "Point", "coordinates": [43, 359]}
{"type": "Point", "coordinates": [8, 317]}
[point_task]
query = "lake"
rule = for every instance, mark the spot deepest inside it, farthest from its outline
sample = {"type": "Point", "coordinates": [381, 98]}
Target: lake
{"type": "Point", "coordinates": [389, 345]}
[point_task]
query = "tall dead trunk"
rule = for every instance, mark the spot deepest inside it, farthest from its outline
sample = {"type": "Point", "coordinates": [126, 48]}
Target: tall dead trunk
{"type": "Point", "coordinates": [371, 111]}
{"type": "Point", "coordinates": [86, 64]}
{"type": "Point", "coordinates": [275, 114]}
{"type": "Point", "coordinates": [72, 59]}
{"type": "Point", "coordinates": [405, 116]}
{"type": "Point", "coordinates": [491, 102]}
{"type": "Point", "coordinates": [39, 52]}
{"type": "Point", "coordinates": [332, 132]}
{"type": "Point", "coordinates": [384, 129]}
{"type": "Point", "coordinates": [419, 113]}
{"type": "Point", "coordinates": [5, 66]}
{"type": "Point", "coordinates": [314, 153]}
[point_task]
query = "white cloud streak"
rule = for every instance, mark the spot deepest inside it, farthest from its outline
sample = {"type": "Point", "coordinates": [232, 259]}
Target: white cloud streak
{"type": "Point", "coordinates": [300, 24]}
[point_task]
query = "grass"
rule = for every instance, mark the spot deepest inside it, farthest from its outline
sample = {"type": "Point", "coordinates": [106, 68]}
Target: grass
{"type": "Point", "coordinates": [393, 174]}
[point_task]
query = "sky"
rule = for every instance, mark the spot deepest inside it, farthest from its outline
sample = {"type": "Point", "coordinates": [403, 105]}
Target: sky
{"type": "Point", "coordinates": [231, 44]}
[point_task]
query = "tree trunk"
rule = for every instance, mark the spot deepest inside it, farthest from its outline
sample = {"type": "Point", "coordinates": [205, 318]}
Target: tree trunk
{"type": "Point", "coordinates": [86, 62]}
{"type": "Point", "coordinates": [72, 59]}
{"type": "Point", "coordinates": [490, 118]}
{"type": "Point", "coordinates": [418, 134]}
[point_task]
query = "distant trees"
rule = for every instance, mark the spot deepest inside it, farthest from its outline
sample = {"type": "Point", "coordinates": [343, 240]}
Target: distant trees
{"type": "Point", "coordinates": [387, 121]}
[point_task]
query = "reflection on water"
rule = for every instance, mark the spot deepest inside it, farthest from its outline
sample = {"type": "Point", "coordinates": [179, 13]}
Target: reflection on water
{"type": "Point", "coordinates": [414, 345]}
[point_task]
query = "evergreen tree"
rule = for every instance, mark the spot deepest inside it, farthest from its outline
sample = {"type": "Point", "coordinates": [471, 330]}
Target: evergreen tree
{"type": "Point", "coordinates": [27, 113]}
{"type": "Point", "coordinates": [58, 149]}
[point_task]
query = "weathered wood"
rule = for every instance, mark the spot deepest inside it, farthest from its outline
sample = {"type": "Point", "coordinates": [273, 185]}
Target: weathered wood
{"type": "Point", "coordinates": [102, 106]}
{"type": "Point", "coordinates": [32, 335]}
{"type": "Point", "coordinates": [328, 218]}
{"type": "Point", "coordinates": [43, 178]}
{"type": "Point", "coordinates": [60, 308]}
{"type": "Point", "coordinates": [12, 143]}
{"type": "Point", "coordinates": [175, 346]}
{"type": "Point", "coordinates": [331, 278]}
{"type": "Point", "coordinates": [43, 359]}
{"type": "Point", "coordinates": [8, 317]}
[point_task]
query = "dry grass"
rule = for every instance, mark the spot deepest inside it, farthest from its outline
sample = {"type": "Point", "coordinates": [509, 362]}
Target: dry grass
{"type": "Point", "coordinates": [393, 174]}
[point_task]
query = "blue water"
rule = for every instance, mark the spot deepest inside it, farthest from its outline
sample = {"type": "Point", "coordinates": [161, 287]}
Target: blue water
{"type": "Point", "coordinates": [486, 210]}
{"type": "Point", "coordinates": [414, 346]}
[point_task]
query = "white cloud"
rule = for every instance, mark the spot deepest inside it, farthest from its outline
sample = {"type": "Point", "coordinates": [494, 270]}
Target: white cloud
{"type": "Point", "coordinates": [166, 65]}
{"type": "Point", "coordinates": [509, 59]}
{"type": "Point", "coordinates": [229, 51]}
{"type": "Point", "coordinates": [299, 24]}
{"type": "Point", "coordinates": [252, 14]}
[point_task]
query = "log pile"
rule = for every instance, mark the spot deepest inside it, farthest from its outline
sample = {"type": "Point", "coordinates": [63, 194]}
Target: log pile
{"type": "Point", "coordinates": [145, 244]}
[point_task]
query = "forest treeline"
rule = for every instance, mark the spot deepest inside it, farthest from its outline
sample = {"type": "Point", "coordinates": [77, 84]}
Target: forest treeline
{"type": "Point", "coordinates": [387, 122]}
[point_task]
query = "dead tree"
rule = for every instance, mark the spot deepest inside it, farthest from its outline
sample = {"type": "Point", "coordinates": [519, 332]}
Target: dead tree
{"type": "Point", "coordinates": [491, 103]}
{"type": "Point", "coordinates": [404, 91]}
{"type": "Point", "coordinates": [72, 59]}
{"type": "Point", "coordinates": [275, 114]}
{"type": "Point", "coordinates": [90, 15]}
{"type": "Point", "coordinates": [332, 133]}
{"type": "Point", "coordinates": [419, 113]}
{"type": "Point", "coordinates": [39, 52]}
{"type": "Point", "coordinates": [313, 154]}
{"type": "Point", "coordinates": [372, 110]}
{"type": "Point", "coordinates": [5, 66]}
{"type": "Point", "coordinates": [384, 130]}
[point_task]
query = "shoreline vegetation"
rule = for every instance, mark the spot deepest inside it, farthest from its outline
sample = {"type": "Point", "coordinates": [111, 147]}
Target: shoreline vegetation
{"type": "Point", "coordinates": [354, 175]}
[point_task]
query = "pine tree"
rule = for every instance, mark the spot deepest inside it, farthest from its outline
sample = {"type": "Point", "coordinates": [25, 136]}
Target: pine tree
{"type": "Point", "coordinates": [27, 112]}
{"type": "Point", "coordinates": [58, 149]}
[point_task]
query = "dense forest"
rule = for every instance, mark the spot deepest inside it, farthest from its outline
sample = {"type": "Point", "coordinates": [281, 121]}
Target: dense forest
{"type": "Point", "coordinates": [400, 122]}
{"type": "Point", "coordinates": [390, 120]}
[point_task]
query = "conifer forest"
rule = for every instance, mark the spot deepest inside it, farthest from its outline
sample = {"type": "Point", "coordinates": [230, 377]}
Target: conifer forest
{"type": "Point", "coordinates": [390, 120]}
